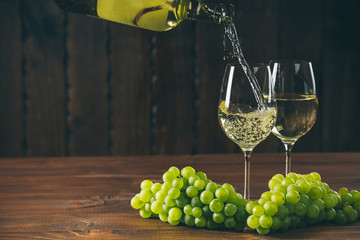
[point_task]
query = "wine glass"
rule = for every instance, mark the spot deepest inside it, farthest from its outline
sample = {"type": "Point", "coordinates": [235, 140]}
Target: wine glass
{"type": "Point", "coordinates": [296, 100]}
{"type": "Point", "coordinates": [247, 109]}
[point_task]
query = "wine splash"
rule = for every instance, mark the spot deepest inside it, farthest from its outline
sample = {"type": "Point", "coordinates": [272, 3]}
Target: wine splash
{"type": "Point", "coordinates": [231, 34]}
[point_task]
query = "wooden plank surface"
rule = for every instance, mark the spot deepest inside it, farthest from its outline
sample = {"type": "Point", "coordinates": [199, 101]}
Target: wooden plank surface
{"type": "Point", "coordinates": [88, 198]}
{"type": "Point", "coordinates": [44, 92]}
{"type": "Point", "coordinates": [11, 81]}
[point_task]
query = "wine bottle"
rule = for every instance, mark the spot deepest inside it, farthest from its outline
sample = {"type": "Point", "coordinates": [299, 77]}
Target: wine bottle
{"type": "Point", "coordinates": [155, 15]}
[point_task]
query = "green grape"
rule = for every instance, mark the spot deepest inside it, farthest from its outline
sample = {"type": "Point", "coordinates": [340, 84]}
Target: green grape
{"type": "Point", "coordinates": [189, 220]}
{"type": "Point", "coordinates": [192, 179]}
{"type": "Point", "coordinates": [210, 224]}
{"type": "Point", "coordinates": [290, 207]}
{"type": "Point", "coordinates": [356, 197]}
{"type": "Point", "coordinates": [292, 175]}
{"type": "Point", "coordinates": [263, 231]}
{"type": "Point", "coordinates": [229, 222]}
{"type": "Point", "coordinates": [175, 214]}
{"type": "Point", "coordinates": [222, 194]}
{"type": "Point", "coordinates": [326, 186]}
{"type": "Point", "coordinates": [258, 210]}
{"type": "Point", "coordinates": [156, 207]}
{"type": "Point", "coordinates": [216, 205]}
{"type": "Point", "coordinates": [309, 178]}
{"type": "Point", "coordinates": [182, 200]}
{"type": "Point", "coordinates": [278, 198]}
{"type": "Point", "coordinates": [282, 212]}
{"type": "Point", "coordinates": [175, 171]}
{"type": "Point", "coordinates": [177, 183]}
{"type": "Point", "coordinates": [170, 202]}
{"type": "Point", "coordinates": [273, 182]}
{"type": "Point", "coordinates": [166, 186]}
{"type": "Point", "coordinates": [241, 215]}
{"type": "Point", "coordinates": [163, 216]}
{"type": "Point", "coordinates": [313, 211]}
{"type": "Point", "coordinates": [287, 181]}
{"type": "Point", "coordinates": [211, 186]}
{"type": "Point", "coordinates": [300, 209]}
{"type": "Point", "coordinates": [321, 216]}
{"type": "Point", "coordinates": [253, 221]}
{"type": "Point", "coordinates": [202, 176]}
{"type": "Point", "coordinates": [166, 208]}
{"type": "Point", "coordinates": [340, 217]}
{"type": "Point", "coordinates": [347, 198]}
{"type": "Point", "coordinates": [206, 197]}
{"type": "Point", "coordinates": [185, 184]}
{"type": "Point", "coordinates": [249, 206]}
{"type": "Point", "coordinates": [206, 212]}
{"type": "Point", "coordinates": [147, 207]}
{"type": "Point", "coordinates": [270, 208]}
{"type": "Point", "coordinates": [188, 171]}
{"type": "Point", "coordinates": [330, 201]}
{"type": "Point", "coordinates": [315, 192]}
{"type": "Point", "coordinates": [234, 198]}
{"type": "Point", "coordinates": [293, 196]}
{"type": "Point", "coordinates": [330, 214]}
{"type": "Point", "coordinates": [262, 201]}
{"type": "Point", "coordinates": [168, 176]}
{"type": "Point", "coordinates": [199, 184]}
{"type": "Point", "coordinates": [266, 195]}
{"type": "Point", "coordinates": [144, 213]}
{"type": "Point", "coordinates": [305, 199]}
{"type": "Point", "coordinates": [352, 216]}
{"type": "Point", "coordinates": [279, 188]}
{"type": "Point", "coordinates": [276, 224]}
{"type": "Point", "coordinates": [242, 203]}
{"type": "Point", "coordinates": [195, 202]}
{"type": "Point", "coordinates": [155, 187]}
{"type": "Point", "coordinates": [285, 224]}
{"type": "Point", "coordinates": [161, 195]}
{"type": "Point", "coordinates": [320, 203]}
{"type": "Point", "coordinates": [295, 220]}
{"type": "Point", "coordinates": [228, 187]}
{"type": "Point", "coordinates": [316, 176]}
{"type": "Point", "coordinates": [146, 184]}
{"type": "Point", "coordinates": [173, 222]}
{"type": "Point", "coordinates": [278, 176]}
{"type": "Point", "coordinates": [292, 187]}
{"type": "Point", "coordinates": [347, 209]}
{"type": "Point", "coordinates": [191, 191]}
{"type": "Point", "coordinates": [145, 195]}
{"type": "Point", "coordinates": [230, 209]}
{"type": "Point", "coordinates": [136, 203]}
{"type": "Point", "coordinates": [188, 209]}
{"type": "Point", "coordinates": [303, 185]}
{"type": "Point", "coordinates": [265, 221]}
{"type": "Point", "coordinates": [218, 217]}
{"type": "Point", "coordinates": [357, 208]}
{"type": "Point", "coordinates": [196, 212]}
{"type": "Point", "coordinates": [200, 222]}
{"type": "Point", "coordinates": [174, 193]}
{"type": "Point", "coordinates": [343, 190]}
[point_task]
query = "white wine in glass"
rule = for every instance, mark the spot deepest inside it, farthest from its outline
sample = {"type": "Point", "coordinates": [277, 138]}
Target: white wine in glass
{"type": "Point", "coordinates": [243, 119]}
{"type": "Point", "coordinates": [296, 100]}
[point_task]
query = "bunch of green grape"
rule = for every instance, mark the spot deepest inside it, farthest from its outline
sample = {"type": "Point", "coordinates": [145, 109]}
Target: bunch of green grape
{"type": "Point", "coordinates": [191, 198]}
{"type": "Point", "coordinates": [299, 200]}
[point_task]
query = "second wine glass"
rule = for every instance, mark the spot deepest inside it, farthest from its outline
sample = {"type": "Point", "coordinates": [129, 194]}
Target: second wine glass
{"type": "Point", "coordinates": [296, 100]}
{"type": "Point", "coordinates": [245, 115]}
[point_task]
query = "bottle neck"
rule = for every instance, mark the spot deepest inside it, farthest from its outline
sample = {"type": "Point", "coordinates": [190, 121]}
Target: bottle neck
{"type": "Point", "coordinates": [205, 11]}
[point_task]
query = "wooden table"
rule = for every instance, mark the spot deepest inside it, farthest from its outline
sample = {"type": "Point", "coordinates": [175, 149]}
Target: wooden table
{"type": "Point", "coordinates": [88, 198]}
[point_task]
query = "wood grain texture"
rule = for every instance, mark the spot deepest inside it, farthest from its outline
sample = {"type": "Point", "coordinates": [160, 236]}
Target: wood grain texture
{"type": "Point", "coordinates": [89, 197]}
{"type": "Point", "coordinates": [11, 81]}
{"type": "Point", "coordinates": [87, 86]}
{"type": "Point", "coordinates": [43, 46]}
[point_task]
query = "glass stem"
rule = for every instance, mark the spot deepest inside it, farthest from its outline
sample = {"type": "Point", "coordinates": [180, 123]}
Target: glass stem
{"type": "Point", "coordinates": [247, 155]}
{"type": "Point", "coordinates": [288, 148]}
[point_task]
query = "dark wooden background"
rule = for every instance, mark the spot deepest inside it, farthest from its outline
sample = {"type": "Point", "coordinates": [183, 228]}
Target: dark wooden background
{"type": "Point", "coordinates": [72, 85]}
